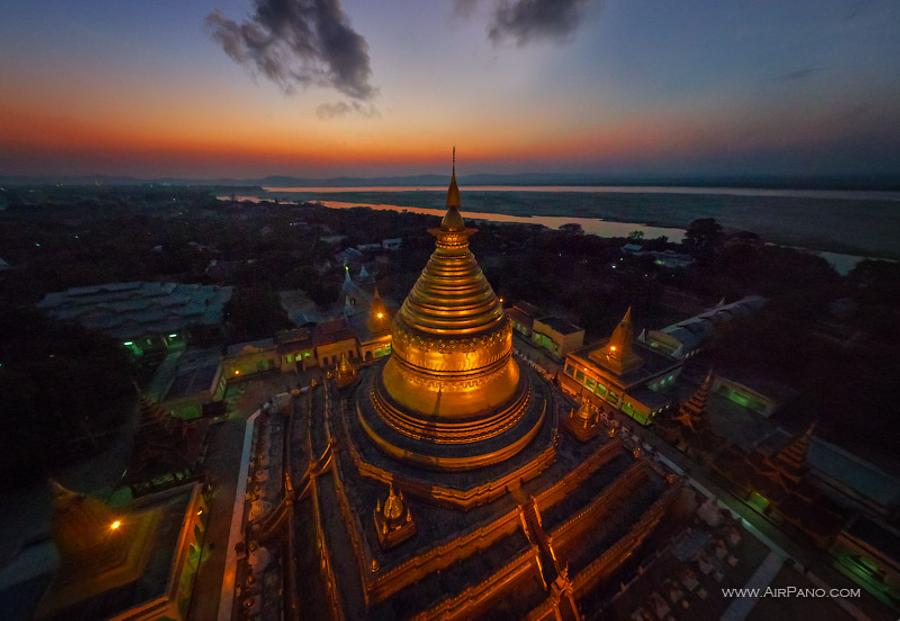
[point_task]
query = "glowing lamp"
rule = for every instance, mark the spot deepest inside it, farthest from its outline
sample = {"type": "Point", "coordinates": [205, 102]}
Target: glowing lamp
{"type": "Point", "coordinates": [116, 524]}
{"type": "Point", "coordinates": [612, 348]}
{"type": "Point", "coordinates": [237, 371]}
{"type": "Point", "coordinates": [380, 315]}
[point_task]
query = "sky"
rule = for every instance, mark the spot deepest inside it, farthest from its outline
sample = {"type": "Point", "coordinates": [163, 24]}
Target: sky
{"type": "Point", "coordinates": [317, 88]}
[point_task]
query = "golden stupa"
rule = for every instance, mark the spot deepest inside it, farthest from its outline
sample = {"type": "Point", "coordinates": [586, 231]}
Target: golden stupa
{"type": "Point", "coordinates": [452, 377]}
{"type": "Point", "coordinates": [441, 486]}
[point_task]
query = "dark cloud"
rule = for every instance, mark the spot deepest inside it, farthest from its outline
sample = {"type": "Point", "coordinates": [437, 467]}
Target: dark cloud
{"type": "Point", "coordinates": [299, 43]}
{"type": "Point", "coordinates": [346, 108]}
{"type": "Point", "coordinates": [800, 74]}
{"type": "Point", "coordinates": [524, 21]}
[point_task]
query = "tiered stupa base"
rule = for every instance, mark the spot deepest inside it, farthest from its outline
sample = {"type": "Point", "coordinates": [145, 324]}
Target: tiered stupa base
{"type": "Point", "coordinates": [485, 539]}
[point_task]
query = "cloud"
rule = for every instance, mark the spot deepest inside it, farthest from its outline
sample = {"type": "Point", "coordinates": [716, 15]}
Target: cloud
{"type": "Point", "coordinates": [800, 74]}
{"type": "Point", "coordinates": [299, 43]}
{"type": "Point", "coordinates": [344, 108]}
{"type": "Point", "coordinates": [524, 21]}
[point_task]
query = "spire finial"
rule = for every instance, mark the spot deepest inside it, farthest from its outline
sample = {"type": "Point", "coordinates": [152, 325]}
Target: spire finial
{"type": "Point", "coordinates": [455, 221]}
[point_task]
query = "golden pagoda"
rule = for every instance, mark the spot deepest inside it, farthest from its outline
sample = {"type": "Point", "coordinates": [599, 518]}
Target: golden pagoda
{"type": "Point", "coordinates": [491, 509]}
{"type": "Point", "coordinates": [393, 520]}
{"type": "Point", "coordinates": [100, 550]}
{"type": "Point", "coordinates": [618, 354]}
{"type": "Point", "coordinates": [452, 378]}
{"type": "Point", "coordinates": [84, 528]}
{"type": "Point", "coordinates": [583, 422]}
{"type": "Point", "coordinates": [346, 372]}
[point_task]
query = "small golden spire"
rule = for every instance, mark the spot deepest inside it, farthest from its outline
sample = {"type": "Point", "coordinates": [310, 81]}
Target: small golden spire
{"type": "Point", "coordinates": [618, 353]}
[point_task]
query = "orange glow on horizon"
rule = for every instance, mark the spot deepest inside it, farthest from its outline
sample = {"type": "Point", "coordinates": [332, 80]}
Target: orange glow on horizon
{"type": "Point", "coordinates": [228, 140]}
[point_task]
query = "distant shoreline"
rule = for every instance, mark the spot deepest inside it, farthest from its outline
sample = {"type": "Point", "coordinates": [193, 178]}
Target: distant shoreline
{"type": "Point", "coordinates": [826, 183]}
{"type": "Point", "coordinates": [664, 210]}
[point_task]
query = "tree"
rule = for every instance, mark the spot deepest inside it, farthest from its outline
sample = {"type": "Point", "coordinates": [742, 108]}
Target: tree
{"type": "Point", "coordinates": [702, 235]}
{"type": "Point", "coordinates": [636, 235]}
{"type": "Point", "coordinates": [255, 312]}
{"type": "Point", "coordinates": [66, 393]}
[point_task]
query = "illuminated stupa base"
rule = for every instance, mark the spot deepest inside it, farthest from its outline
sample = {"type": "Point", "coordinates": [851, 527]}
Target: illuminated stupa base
{"type": "Point", "coordinates": [467, 444]}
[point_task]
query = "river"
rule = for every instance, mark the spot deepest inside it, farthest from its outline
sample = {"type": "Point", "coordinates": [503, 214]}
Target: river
{"type": "Point", "coordinates": [843, 263]}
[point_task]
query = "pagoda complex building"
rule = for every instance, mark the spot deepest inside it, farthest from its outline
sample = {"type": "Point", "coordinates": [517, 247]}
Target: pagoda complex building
{"type": "Point", "coordinates": [441, 483]}
{"type": "Point", "coordinates": [623, 374]}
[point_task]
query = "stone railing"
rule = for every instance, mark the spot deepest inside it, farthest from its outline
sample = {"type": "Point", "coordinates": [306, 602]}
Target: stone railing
{"type": "Point", "coordinates": [334, 598]}
{"type": "Point", "coordinates": [354, 530]}
{"type": "Point", "coordinates": [559, 490]}
{"type": "Point", "coordinates": [601, 504]}
{"type": "Point", "coordinates": [469, 602]}
{"type": "Point", "coordinates": [607, 562]}
{"type": "Point", "coordinates": [443, 555]}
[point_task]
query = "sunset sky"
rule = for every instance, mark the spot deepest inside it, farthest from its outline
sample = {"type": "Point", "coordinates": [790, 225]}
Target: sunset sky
{"type": "Point", "coordinates": [204, 88]}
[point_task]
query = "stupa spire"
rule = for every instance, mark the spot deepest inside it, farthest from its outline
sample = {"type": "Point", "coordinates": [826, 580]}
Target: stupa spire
{"type": "Point", "coordinates": [619, 352]}
{"type": "Point", "coordinates": [453, 220]}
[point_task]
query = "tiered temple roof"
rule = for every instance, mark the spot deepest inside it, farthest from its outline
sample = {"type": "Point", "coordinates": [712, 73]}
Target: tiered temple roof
{"type": "Point", "coordinates": [692, 413]}
{"type": "Point", "coordinates": [780, 483]}
{"type": "Point", "coordinates": [166, 449]}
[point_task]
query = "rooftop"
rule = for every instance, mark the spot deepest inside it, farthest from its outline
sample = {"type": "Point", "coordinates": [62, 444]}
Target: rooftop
{"type": "Point", "coordinates": [560, 325]}
{"type": "Point", "coordinates": [134, 309]}
{"type": "Point", "coordinates": [654, 363]}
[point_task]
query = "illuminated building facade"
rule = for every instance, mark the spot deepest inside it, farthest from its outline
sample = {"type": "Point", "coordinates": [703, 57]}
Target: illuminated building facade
{"type": "Point", "coordinates": [623, 374]}
{"type": "Point", "coordinates": [440, 483]}
{"type": "Point", "coordinates": [553, 334]}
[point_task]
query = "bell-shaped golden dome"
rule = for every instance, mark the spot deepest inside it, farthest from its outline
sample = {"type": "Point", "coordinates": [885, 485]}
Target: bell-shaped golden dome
{"type": "Point", "coordinates": [393, 505]}
{"type": "Point", "coordinates": [451, 339]}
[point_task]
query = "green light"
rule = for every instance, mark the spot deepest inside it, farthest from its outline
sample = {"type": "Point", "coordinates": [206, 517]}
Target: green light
{"type": "Point", "coordinates": [758, 501]}
{"type": "Point", "coordinates": [128, 343]}
{"type": "Point", "coordinates": [173, 335]}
